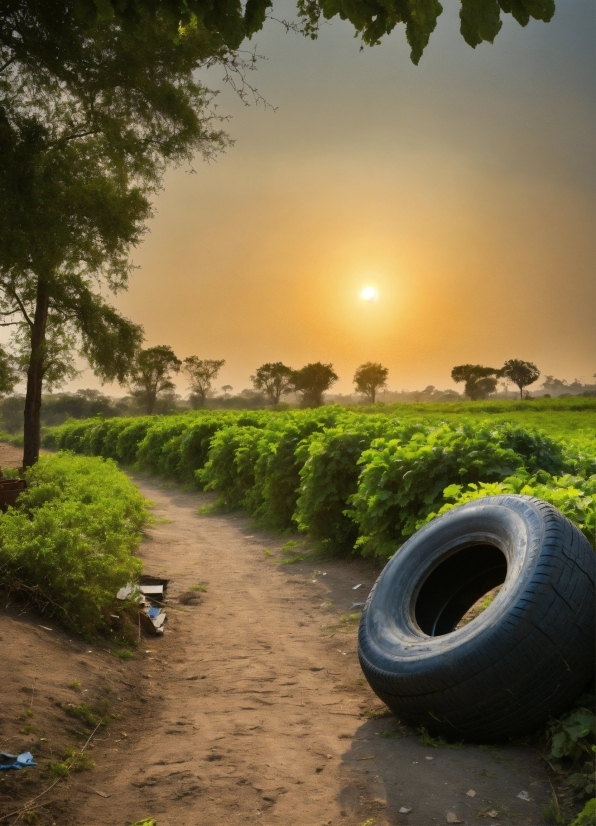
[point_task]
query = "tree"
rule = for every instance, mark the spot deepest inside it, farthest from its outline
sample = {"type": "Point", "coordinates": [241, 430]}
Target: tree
{"type": "Point", "coordinates": [8, 375]}
{"type": "Point", "coordinates": [274, 379]}
{"type": "Point", "coordinates": [92, 111]}
{"type": "Point", "coordinates": [151, 375]}
{"type": "Point", "coordinates": [201, 373]}
{"type": "Point", "coordinates": [312, 381]}
{"type": "Point", "coordinates": [521, 373]}
{"type": "Point", "coordinates": [227, 388]}
{"type": "Point", "coordinates": [369, 378]}
{"type": "Point", "coordinates": [480, 381]}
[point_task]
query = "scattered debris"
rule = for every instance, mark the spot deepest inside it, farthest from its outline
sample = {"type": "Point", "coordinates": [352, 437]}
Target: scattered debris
{"type": "Point", "coordinates": [452, 818]}
{"type": "Point", "coordinates": [471, 793]}
{"type": "Point", "coordinates": [358, 604]}
{"type": "Point", "coordinates": [17, 761]}
{"type": "Point", "coordinates": [429, 758]}
{"type": "Point", "coordinates": [355, 588]}
{"type": "Point", "coordinates": [524, 796]}
{"type": "Point", "coordinates": [404, 811]}
{"type": "Point", "coordinates": [492, 813]}
{"type": "Point", "coordinates": [147, 590]}
{"type": "Point", "coordinates": [45, 628]}
{"type": "Point", "coordinates": [101, 794]}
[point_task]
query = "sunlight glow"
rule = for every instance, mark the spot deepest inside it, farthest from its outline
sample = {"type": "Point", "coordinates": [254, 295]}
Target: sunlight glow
{"type": "Point", "coordinates": [369, 294]}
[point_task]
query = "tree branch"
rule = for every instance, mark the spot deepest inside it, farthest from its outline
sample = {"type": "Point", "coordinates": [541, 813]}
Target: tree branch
{"type": "Point", "coordinates": [22, 308]}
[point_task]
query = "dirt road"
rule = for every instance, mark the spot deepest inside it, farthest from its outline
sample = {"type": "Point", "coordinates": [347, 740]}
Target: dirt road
{"type": "Point", "coordinates": [257, 711]}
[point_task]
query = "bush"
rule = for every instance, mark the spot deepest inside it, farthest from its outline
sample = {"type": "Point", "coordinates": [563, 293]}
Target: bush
{"type": "Point", "coordinates": [329, 476]}
{"type": "Point", "coordinates": [69, 543]}
{"type": "Point", "coordinates": [401, 483]}
{"type": "Point", "coordinates": [277, 474]}
{"type": "Point", "coordinates": [231, 466]}
{"type": "Point", "coordinates": [574, 496]}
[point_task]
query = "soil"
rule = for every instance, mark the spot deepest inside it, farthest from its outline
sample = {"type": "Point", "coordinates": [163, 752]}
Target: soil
{"type": "Point", "coordinates": [250, 709]}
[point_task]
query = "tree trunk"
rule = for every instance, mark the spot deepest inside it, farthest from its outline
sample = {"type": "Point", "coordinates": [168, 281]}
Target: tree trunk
{"type": "Point", "coordinates": [32, 412]}
{"type": "Point", "coordinates": [373, 394]}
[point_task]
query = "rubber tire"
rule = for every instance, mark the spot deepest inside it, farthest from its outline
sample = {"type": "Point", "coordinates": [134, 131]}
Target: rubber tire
{"type": "Point", "coordinates": [526, 657]}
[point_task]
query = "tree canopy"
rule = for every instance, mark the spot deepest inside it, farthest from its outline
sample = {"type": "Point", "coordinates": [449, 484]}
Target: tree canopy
{"type": "Point", "coordinates": [273, 379]}
{"type": "Point", "coordinates": [369, 378]}
{"type": "Point", "coordinates": [312, 381]}
{"type": "Point", "coordinates": [151, 375]}
{"type": "Point", "coordinates": [479, 381]}
{"type": "Point", "coordinates": [201, 373]}
{"type": "Point", "coordinates": [521, 373]}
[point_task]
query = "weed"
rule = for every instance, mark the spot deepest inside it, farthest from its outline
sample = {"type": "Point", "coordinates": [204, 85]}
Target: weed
{"type": "Point", "coordinates": [29, 712]}
{"type": "Point", "coordinates": [83, 713]}
{"type": "Point", "coordinates": [202, 588]}
{"type": "Point", "coordinates": [30, 817]}
{"type": "Point", "coordinates": [28, 729]}
{"type": "Point", "coordinates": [75, 685]}
{"type": "Point", "coordinates": [123, 654]}
{"type": "Point", "coordinates": [435, 742]}
{"type": "Point", "coordinates": [378, 713]}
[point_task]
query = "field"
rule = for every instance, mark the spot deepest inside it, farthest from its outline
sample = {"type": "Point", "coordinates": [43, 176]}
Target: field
{"type": "Point", "coordinates": [359, 479]}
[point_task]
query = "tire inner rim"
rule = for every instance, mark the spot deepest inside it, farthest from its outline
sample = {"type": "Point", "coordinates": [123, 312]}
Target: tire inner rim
{"type": "Point", "coordinates": [455, 584]}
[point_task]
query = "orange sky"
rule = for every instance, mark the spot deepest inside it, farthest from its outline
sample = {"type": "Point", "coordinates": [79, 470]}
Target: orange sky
{"type": "Point", "coordinates": [461, 189]}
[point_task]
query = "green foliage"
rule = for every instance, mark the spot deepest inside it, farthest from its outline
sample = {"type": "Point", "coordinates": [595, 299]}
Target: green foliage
{"type": "Point", "coordinates": [330, 475]}
{"type": "Point", "coordinates": [68, 545]}
{"type": "Point", "coordinates": [401, 483]}
{"type": "Point", "coordinates": [587, 817]}
{"type": "Point", "coordinates": [574, 496]}
{"type": "Point", "coordinates": [231, 464]}
{"type": "Point", "coordinates": [572, 742]}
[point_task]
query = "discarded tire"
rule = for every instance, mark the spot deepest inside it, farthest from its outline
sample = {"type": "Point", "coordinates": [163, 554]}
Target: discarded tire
{"type": "Point", "coordinates": [524, 658]}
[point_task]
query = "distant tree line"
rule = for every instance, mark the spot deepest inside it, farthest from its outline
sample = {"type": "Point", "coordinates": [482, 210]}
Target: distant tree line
{"type": "Point", "coordinates": [152, 390]}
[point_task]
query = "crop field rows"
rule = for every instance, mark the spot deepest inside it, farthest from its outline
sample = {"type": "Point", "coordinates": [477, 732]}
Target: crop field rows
{"type": "Point", "coordinates": [356, 481]}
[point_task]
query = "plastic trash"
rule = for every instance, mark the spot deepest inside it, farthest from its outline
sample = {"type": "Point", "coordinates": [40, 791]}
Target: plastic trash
{"type": "Point", "coordinates": [18, 761]}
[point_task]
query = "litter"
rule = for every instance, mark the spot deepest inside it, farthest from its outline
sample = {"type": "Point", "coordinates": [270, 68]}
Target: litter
{"type": "Point", "coordinates": [492, 813]}
{"type": "Point", "coordinates": [453, 818]}
{"type": "Point", "coordinates": [358, 604]}
{"type": "Point", "coordinates": [17, 761]}
{"type": "Point", "coordinates": [404, 811]}
{"type": "Point", "coordinates": [429, 758]}
{"type": "Point", "coordinates": [471, 793]}
{"type": "Point", "coordinates": [148, 589]}
{"type": "Point", "coordinates": [524, 796]}
{"type": "Point", "coordinates": [151, 590]}
{"type": "Point", "coordinates": [355, 588]}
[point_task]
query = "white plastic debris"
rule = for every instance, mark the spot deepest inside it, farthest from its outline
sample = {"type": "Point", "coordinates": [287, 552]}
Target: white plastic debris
{"type": "Point", "coordinates": [355, 588]}
{"type": "Point", "coordinates": [471, 793]}
{"type": "Point", "coordinates": [523, 795]}
{"type": "Point", "coordinates": [404, 811]}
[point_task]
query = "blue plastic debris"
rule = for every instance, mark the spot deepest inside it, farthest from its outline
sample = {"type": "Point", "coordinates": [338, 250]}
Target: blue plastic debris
{"type": "Point", "coordinates": [20, 761]}
{"type": "Point", "coordinates": [153, 612]}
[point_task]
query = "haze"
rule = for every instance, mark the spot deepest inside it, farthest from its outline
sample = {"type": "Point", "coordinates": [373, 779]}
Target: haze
{"type": "Point", "coordinates": [462, 190]}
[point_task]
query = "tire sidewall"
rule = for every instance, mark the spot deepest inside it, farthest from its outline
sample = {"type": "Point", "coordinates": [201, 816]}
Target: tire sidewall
{"type": "Point", "coordinates": [389, 636]}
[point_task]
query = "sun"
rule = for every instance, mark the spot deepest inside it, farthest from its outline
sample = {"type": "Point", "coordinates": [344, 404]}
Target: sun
{"type": "Point", "coordinates": [369, 294]}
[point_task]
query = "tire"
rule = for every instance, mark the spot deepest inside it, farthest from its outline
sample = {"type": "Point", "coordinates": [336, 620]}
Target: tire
{"type": "Point", "coordinates": [526, 657]}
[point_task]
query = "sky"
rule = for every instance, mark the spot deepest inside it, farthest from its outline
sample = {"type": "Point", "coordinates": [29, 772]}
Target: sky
{"type": "Point", "coordinates": [462, 190]}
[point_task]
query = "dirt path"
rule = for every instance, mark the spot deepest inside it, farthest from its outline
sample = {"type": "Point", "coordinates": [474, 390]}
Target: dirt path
{"type": "Point", "coordinates": [257, 711]}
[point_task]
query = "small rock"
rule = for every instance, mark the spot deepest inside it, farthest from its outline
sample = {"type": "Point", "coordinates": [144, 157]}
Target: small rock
{"type": "Point", "coordinates": [404, 811]}
{"type": "Point", "coordinates": [453, 818]}
{"type": "Point", "coordinates": [471, 793]}
{"type": "Point", "coordinates": [524, 796]}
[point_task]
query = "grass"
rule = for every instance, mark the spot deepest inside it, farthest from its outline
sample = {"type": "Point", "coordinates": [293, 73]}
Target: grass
{"type": "Point", "coordinates": [84, 714]}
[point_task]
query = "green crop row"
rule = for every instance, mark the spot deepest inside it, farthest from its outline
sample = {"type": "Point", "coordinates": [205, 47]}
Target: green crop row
{"type": "Point", "coordinates": [351, 481]}
{"type": "Point", "coordinates": [68, 545]}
